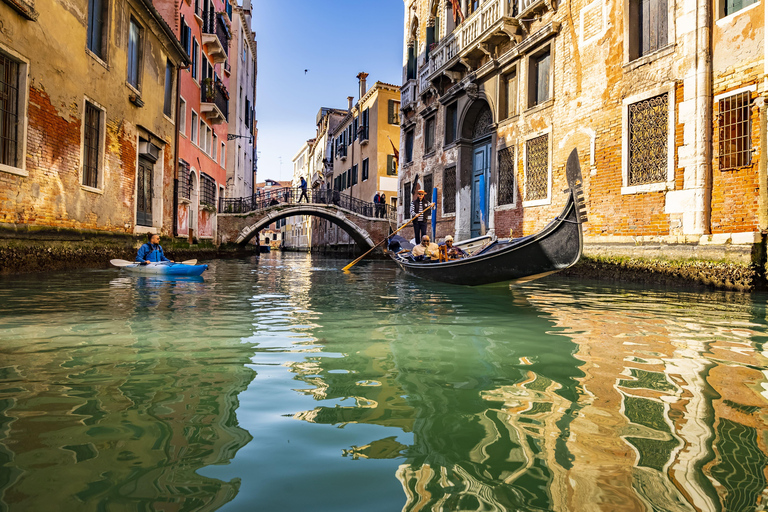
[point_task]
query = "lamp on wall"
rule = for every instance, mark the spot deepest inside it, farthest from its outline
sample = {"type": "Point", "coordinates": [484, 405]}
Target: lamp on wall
{"type": "Point", "coordinates": [232, 136]}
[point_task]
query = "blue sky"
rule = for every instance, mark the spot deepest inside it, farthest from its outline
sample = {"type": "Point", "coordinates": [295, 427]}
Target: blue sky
{"type": "Point", "coordinates": [334, 40]}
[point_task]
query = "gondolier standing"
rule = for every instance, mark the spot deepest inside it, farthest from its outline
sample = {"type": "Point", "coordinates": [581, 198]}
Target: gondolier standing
{"type": "Point", "coordinates": [418, 206]}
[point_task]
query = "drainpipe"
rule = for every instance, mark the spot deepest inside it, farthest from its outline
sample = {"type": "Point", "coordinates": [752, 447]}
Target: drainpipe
{"type": "Point", "coordinates": [762, 167]}
{"type": "Point", "coordinates": [703, 174]}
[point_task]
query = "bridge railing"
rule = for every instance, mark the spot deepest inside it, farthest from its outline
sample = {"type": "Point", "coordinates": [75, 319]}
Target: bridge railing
{"type": "Point", "coordinates": [286, 196]}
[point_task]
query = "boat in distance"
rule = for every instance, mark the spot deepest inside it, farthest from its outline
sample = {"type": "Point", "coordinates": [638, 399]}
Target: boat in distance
{"type": "Point", "coordinates": [556, 247]}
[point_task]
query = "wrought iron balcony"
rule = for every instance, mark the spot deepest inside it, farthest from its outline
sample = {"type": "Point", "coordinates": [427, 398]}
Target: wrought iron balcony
{"type": "Point", "coordinates": [494, 20]}
{"type": "Point", "coordinates": [215, 36]}
{"type": "Point", "coordinates": [214, 101]}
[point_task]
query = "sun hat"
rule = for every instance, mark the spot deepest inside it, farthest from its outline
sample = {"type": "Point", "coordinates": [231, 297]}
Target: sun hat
{"type": "Point", "coordinates": [449, 237]}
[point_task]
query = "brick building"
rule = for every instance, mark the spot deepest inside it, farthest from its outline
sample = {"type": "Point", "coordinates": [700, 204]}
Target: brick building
{"type": "Point", "coordinates": [662, 99]}
{"type": "Point", "coordinates": [87, 116]}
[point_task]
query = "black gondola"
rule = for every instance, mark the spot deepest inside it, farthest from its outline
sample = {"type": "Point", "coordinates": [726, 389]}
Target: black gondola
{"type": "Point", "coordinates": [554, 248]}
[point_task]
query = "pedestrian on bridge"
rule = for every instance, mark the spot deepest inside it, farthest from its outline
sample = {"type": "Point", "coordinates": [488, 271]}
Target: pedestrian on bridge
{"type": "Point", "coordinates": [303, 186]}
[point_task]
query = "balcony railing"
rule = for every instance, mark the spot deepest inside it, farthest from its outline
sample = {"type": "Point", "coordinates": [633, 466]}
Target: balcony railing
{"type": "Point", "coordinates": [424, 79]}
{"type": "Point", "coordinates": [214, 101]}
{"type": "Point", "coordinates": [493, 16]}
{"type": "Point", "coordinates": [408, 93]}
{"type": "Point", "coordinates": [215, 36]}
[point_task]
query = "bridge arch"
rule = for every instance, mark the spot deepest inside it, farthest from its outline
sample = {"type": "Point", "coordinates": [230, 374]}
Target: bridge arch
{"type": "Point", "coordinates": [346, 220]}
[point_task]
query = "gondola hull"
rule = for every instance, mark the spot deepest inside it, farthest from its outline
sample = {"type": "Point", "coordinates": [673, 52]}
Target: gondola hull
{"type": "Point", "coordinates": [556, 247]}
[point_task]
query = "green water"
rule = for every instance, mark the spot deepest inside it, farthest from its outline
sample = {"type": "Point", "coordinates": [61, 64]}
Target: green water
{"type": "Point", "coordinates": [286, 385]}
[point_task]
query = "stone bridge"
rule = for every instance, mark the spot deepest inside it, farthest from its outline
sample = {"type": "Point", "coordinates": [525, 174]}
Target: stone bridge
{"type": "Point", "coordinates": [240, 228]}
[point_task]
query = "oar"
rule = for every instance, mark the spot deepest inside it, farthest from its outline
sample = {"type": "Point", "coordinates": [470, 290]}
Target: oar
{"type": "Point", "coordinates": [390, 236]}
{"type": "Point", "coordinates": [123, 263]}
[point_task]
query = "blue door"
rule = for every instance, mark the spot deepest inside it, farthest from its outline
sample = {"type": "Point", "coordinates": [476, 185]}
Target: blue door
{"type": "Point", "coordinates": [481, 170]}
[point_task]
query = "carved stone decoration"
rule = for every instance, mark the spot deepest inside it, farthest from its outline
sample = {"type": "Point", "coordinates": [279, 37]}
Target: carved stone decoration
{"type": "Point", "coordinates": [472, 90]}
{"type": "Point", "coordinates": [483, 123]}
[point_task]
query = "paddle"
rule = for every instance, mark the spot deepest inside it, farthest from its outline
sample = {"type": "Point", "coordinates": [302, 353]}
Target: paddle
{"type": "Point", "coordinates": [123, 263]}
{"type": "Point", "coordinates": [378, 244]}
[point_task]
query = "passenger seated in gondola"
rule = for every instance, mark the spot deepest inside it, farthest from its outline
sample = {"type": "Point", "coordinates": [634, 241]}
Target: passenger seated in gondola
{"type": "Point", "coordinates": [426, 251]}
{"type": "Point", "coordinates": [450, 252]}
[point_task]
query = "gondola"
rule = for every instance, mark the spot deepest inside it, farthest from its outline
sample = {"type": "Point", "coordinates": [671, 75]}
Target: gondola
{"type": "Point", "coordinates": [554, 248]}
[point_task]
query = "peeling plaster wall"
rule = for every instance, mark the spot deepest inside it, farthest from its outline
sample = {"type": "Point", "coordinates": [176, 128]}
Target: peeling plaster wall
{"type": "Point", "coordinates": [62, 74]}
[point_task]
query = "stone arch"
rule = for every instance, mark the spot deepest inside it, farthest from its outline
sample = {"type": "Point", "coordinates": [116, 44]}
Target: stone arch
{"type": "Point", "coordinates": [361, 237]}
{"type": "Point", "coordinates": [477, 114]}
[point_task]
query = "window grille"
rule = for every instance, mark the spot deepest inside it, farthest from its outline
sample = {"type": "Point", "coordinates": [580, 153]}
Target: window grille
{"type": "Point", "coordinates": [91, 146]}
{"type": "Point", "coordinates": [735, 131]}
{"type": "Point", "coordinates": [648, 125]}
{"type": "Point", "coordinates": [9, 111]}
{"type": "Point", "coordinates": [185, 182]}
{"type": "Point", "coordinates": [449, 189]}
{"type": "Point", "coordinates": [537, 168]}
{"type": "Point", "coordinates": [507, 175]}
{"type": "Point", "coordinates": [207, 190]}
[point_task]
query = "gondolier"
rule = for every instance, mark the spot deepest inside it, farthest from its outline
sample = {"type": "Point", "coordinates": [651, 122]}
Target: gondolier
{"type": "Point", "coordinates": [420, 206]}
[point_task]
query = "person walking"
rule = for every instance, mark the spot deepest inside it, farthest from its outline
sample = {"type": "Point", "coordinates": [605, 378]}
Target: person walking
{"type": "Point", "coordinates": [303, 186]}
{"type": "Point", "coordinates": [419, 207]}
{"type": "Point", "coordinates": [376, 205]}
{"type": "Point", "coordinates": [383, 205]}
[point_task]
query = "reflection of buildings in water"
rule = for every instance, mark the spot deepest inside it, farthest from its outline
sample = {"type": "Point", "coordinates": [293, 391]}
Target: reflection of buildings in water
{"type": "Point", "coordinates": [655, 417]}
{"type": "Point", "coordinates": [122, 419]}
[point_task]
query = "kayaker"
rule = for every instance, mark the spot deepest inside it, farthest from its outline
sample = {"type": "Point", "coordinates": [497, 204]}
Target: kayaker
{"type": "Point", "coordinates": [151, 251]}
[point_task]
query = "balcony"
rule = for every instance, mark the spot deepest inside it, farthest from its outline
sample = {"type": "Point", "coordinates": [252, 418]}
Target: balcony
{"type": "Point", "coordinates": [407, 94]}
{"type": "Point", "coordinates": [214, 101]}
{"type": "Point", "coordinates": [492, 23]}
{"type": "Point", "coordinates": [215, 36]}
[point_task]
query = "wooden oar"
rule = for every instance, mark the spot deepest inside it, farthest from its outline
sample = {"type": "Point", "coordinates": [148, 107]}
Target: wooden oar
{"type": "Point", "coordinates": [123, 263]}
{"type": "Point", "coordinates": [390, 236]}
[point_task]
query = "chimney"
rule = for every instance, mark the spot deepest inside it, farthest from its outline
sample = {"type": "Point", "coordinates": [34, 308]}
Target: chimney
{"type": "Point", "coordinates": [361, 77]}
{"type": "Point", "coordinates": [350, 99]}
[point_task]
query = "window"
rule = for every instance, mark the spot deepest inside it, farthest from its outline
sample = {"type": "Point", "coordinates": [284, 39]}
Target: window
{"type": "Point", "coordinates": [648, 32]}
{"type": "Point", "coordinates": [391, 165]}
{"type": "Point", "coordinates": [410, 68]}
{"type": "Point", "coordinates": [207, 190]}
{"type": "Point", "coordinates": [354, 175]}
{"type": "Point", "coordinates": [186, 37]}
{"type": "Point", "coordinates": [168, 98]}
{"type": "Point", "coordinates": [451, 120]}
{"type": "Point", "coordinates": [214, 146]}
{"type": "Point", "coordinates": [364, 125]}
{"type": "Point", "coordinates": [134, 53]}
{"type": "Point", "coordinates": [223, 153]}
{"type": "Point", "coordinates": [538, 78]}
{"type": "Point", "coordinates": [733, 119]}
{"type": "Point", "coordinates": [193, 134]}
{"type": "Point", "coordinates": [195, 58]}
{"type": "Point", "coordinates": [507, 176]}
{"type": "Point", "coordinates": [354, 129]}
{"type": "Point", "coordinates": [406, 195]}
{"type": "Point", "coordinates": [648, 136]}
{"type": "Point", "coordinates": [365, 169]}
{"type": "Point", "coordinates": [182, 116]}
{"type": "Point", "coordinates": [429, 134]}
{"type": "Point", "coordinates": [12, 112]}
{"type": "Point", "coordinates": [409, 145]}
{"type": "Point", "coordinates": [428, 186]}
{"type": "Point", "coordinates": [537, 168]}
{"type": "Point", "coordinates": [449, 189]}
{"type": "Point", "coordinates": [203, 135]}
{"type": "Point", "coordinates": [393, 112]}
{"type": "Point", "coordinates": [92, 145]}
{"type": "Point", "coordinates": [97, 21]}
{"type": "Point", "coordinates": [732, 6]}
{"type": "Point", "coordinates": [510, 95]}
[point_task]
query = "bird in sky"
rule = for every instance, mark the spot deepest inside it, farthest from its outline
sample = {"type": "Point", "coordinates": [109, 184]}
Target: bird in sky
{"type": "Point", "coordinates": [305, 71]}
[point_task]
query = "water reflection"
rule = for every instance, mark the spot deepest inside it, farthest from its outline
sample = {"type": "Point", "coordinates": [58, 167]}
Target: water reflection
{"type": "Point", "coordinates": [105, 406]}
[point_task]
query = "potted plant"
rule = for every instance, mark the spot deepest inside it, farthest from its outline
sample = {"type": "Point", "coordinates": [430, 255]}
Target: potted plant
{"type": "Point", "coordinates": [208, 92]}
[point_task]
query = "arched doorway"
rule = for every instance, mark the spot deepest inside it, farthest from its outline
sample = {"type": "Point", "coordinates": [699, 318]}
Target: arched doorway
{"type": "Point", "coordinates": [194, 202]}
{"type": "Point", "coordinates": [480, 119]}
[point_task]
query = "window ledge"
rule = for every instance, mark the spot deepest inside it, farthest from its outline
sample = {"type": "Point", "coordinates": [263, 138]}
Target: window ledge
{"type": "Point", "coordinates": [505, 207]}
{"type": "Point", "coordinates": [650, 187]}
{"type": "Point", "coordinates": [448, 215]}
{"type": "Point", "coordinates": [98, 59]}
{"type": "Point", "coordinates": [142, 230]}
{"type": "Point", "coordinates": [540, 106]}
{"type": "Point", "coordinates": [91, 189]}
{"type": "Point", "coordinates": [657, 54]}
{"type": "Point", "coordinates": [14, 170]}
{"type": "Point", "coordinates": [537, 202]}
{"type": "Point", "coordinates": [429, 154]}
{"type": "Point", "coordinates": [450, 145]}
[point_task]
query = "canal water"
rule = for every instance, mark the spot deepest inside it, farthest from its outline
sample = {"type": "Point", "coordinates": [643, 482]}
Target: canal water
{"type": "Point", "coordinates": [283, 384]}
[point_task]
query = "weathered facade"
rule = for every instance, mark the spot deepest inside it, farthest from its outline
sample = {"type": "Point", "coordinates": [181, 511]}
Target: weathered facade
{"type": "Point", "coordinates": [87, 117]}
{"type": "Point", "coordinates": [664, 105]}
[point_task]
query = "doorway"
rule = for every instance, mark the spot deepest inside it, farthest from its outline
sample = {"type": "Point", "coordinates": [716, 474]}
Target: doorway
{"type": "Point", "coordinates": [144, 194]}
{"type": "Point", "coordinates": [481, 171]}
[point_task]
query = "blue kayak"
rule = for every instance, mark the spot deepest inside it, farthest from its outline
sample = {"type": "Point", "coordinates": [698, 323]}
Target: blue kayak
{"type": "Point", "coordinates": [166, 268]}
